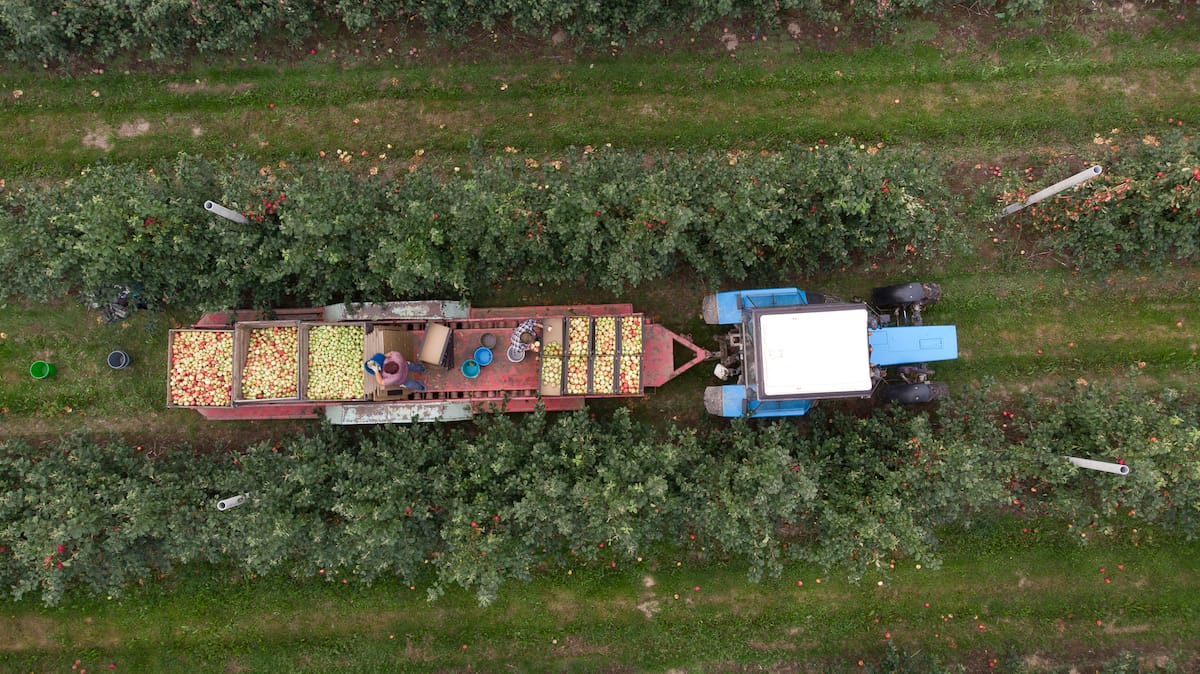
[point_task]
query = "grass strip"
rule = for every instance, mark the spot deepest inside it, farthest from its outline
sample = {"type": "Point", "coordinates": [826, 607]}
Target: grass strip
{"type": "Point", "coordinates": [1096, 328]}
{"type": "Point", "coordinates": [1061, 88]}
{"type": "Point", "coordinates": [1002, 597]}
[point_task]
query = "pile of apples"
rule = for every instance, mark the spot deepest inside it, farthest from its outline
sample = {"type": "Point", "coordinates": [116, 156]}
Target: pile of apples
{"type": "Point", "coordinates": [577, 374]}
{"type": "Point", "coordinates": [578, 328]}
{"type": "Point", "coordinates": [606, 335]}
{"type": "Point", "coordinates": [552, 350]}
{"type": "Point", "coordinates": [272, 358]}
{"type": "Point", "coordinates": [201, 369]}
{"type": "Point", "coordinates": [631, 334]}
{"type": "Point", "coordinates": [630, 380]}
{"type": "Point", "coordinates": [335, 357]}
{"type": "Point", "coordinates": [552, 374]}
{"type": "Point", "coordinates": [603, 369]}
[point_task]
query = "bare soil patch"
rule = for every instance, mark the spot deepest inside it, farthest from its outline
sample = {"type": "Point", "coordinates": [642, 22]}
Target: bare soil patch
{"type": "Point", "coordinates": [134, 128]}
{"type": "Point", "coordinates": [204, 87]}
{"type": "Point", "coordinates": [25, 633]}
{"type": "Point", "coordinates": [99, 137]}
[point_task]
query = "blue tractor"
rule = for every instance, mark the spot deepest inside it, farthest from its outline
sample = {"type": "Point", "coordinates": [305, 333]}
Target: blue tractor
{"type": "Point", "coordinates": [789, 349]}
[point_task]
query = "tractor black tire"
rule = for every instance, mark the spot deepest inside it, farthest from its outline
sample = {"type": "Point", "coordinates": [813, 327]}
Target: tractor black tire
{"type": "Point", "coordinates": [885, 298]}
{"type": "Point", "coordinates": [915, 394]}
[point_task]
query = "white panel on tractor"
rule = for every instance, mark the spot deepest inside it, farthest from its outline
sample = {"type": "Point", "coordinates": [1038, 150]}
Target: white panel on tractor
{"type": "Point", "coordinates": [814, 352]}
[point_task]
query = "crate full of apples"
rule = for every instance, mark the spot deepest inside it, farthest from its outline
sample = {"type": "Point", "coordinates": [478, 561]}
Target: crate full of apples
{"type": "Point", "coordinates": [603, 374]}
{"type": "Point", "coordinates": [551, 375]}
{"type": "Point", "coordinates": [200, 368]}
{"type": "Point", "coordinates": [631, 334]}
{"type": "Point", "coordinates": [604, 340]}
{"type": "Point", "coordinates": [579, 329]}
{"type": "Point", "coordinates": [577, 375]}
{"type": "Point", "coordinates": [334, 370]}
{"type": "Point", "coordinates": [629, 376]}
{"type": "Point", "coordinates": [269, 356]}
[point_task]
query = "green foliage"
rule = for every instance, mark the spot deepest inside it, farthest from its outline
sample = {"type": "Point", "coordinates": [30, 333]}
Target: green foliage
{"type": "Point", "coordinates": [1144, 210]}
{"type": "Point", "coordinates": [1156, 437]}
{"type": "Point", "coordinates": [41, 31]}
{"type": "Point", "coordinates": [319, 234]}
{"type": "Point", "coordinates": [38, 31]}
{"type": "Point", "coordinates": [508, 497]}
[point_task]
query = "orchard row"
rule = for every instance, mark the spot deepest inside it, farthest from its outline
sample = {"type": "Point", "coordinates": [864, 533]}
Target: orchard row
{"type": "Point", "coordinates": [38, 33]}
{"type": "Point", "coordinates": [484, 504]}
{"type": "Point", "coordinates": [332, 235]}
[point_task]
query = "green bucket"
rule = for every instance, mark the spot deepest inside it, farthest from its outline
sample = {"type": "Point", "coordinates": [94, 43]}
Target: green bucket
{"type": "Point", "coordinates": [40, 369]}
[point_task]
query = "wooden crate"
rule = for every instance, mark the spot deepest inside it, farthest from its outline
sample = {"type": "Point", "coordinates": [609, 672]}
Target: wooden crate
{"type": "Point", "coordinates": [241, 345]}
{"type": "Point", "coordinates": [171, 337]}
{"type": "Point", "coordinates": [306, 360]}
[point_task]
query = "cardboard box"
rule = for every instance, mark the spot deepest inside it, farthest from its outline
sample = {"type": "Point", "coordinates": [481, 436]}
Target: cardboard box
{"type": "Point", "coordinates": [437, 350]}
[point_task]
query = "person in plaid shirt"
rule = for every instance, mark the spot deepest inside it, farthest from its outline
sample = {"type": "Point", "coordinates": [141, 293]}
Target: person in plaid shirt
{"type": "Point", "coordinates": [524, 338]}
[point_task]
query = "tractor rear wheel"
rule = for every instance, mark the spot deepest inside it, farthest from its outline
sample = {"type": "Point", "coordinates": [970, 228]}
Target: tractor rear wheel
{"type": "Point", "coordinates": [886, 298]}
{"type": "Point", "coordinates": [915, 394]}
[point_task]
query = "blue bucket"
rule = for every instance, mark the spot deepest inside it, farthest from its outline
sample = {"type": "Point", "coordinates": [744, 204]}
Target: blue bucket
{"type": "Point", "coordinates": [483, 356]}
{"type": "Point", "coordinates": [470, 369]}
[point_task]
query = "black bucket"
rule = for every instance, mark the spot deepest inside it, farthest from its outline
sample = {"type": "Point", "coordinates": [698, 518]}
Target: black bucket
{"type": "Point", "coordinates": [118, 360]}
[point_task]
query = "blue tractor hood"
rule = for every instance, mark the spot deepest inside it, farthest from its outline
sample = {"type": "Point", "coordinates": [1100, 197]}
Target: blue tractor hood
{"type": "Point", "coordinates": [902, 345]}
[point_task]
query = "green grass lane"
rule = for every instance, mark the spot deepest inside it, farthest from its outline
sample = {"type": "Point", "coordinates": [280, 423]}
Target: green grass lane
{"type": "Point", "coordinates": [1000, 594]}
{"type": "Point", "coordinates": [84, 393]}
{"type": "Point", "coordinates": [1031, 328]}
{"type": "Point", "coordinates": [1098, 328]}
{"type": "Point", "coordinates": [1060, 88]}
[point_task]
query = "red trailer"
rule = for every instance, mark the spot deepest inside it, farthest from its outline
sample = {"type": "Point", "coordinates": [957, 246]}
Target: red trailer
{"type": "Point", "coordinates": [305, 363]}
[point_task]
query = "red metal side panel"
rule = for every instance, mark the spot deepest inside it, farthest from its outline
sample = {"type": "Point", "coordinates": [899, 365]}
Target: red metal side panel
{"type": "Point", "coordinates": [552, 310]}
{"type": "Point", "coordinates": [223, 319]}
{"type": "Point", "coordinates": [551, 403]}
{"type": "Point", "coordinates": [262, 411]}
{"type": "Point", "coordinates": [658, 355]}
